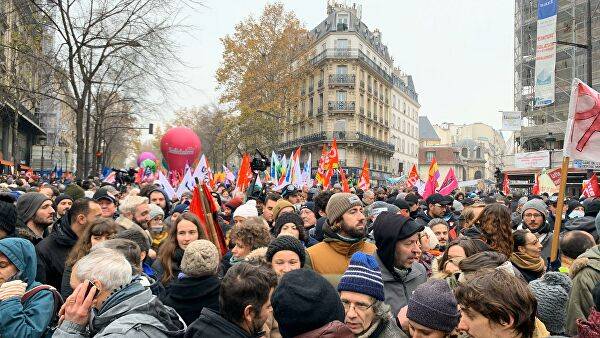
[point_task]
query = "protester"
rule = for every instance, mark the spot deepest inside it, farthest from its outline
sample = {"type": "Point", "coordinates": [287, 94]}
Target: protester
{"type": "Point", "coordinates": [440, 229]}
{"type": "Point", "coordinates": [590, 327]}
{"type": "Point", "coordinates": [34, 215]}
{"type": "Point", "coordinates": [285, 253]}
{"type": "Point", "coordinates": [186, 229]}
{"type": "Point", "coordinates": [345, 233]}
{"type": "Point", "coordinates": [321, 201]}
{"type": "Point", "coordinates": [291, 224]}
{"type": "Point", "coordinates": [496, 304]}
{"type": "Point", "coordinates": [282, 206]}
{"type": "Point", "coordinates": [197, 286]}
{"type": "Point", "coordinates": [244, 303]}
{"type": "Point", "coordinates": [585, 273]}
{"type": "Point", "coordinates": [135, 213]}
{"type": "Point", "coordinates": [495, 225]}
{"type": "Point", "coordinates": [270, 202]}
{"type": "Point", "coordinates": [534, 217]}
{"type": "Point", "coordinates": [362, 295]}
{"type": "Point", "coordinates": [244, 212]}
{"type": "Point", "coordinates": [572, 245]}
{"type": "Point", "coordinates": [368, 197]}
{"type": "Point", "coordinates": [397, 240]}
{"type": "Point", "coordinates": [291, 194]}
{"type": "Point", "coordinates": [552, 294]}
{"type": "Point", "coordinates": [107, 202]}
{"type": "Point", "coordinates": [53, 250]}
{"type": "Point", "coordinates": [456, 251]}
{"type": "Point", "coordinates": [428, 243]}
{"type": "Point", "coordinates": [159, 197]}
{"type": "Point", "coordinates": [436, 208]}
{"type": "Point", "coordinates": [587, 222]}
{"type": "Point", "coordinates": [20, 316]}
{"type": "Point", "coordinates": [62, 204]}
{"type": "Point", "coordinates": [526, 255]}
{"type": "Point", "coordinates": [245, 237]}
{"type": "Point", "coordinates": [308, 215]}
{"type": "Point", "coordinates": [294, 306]}
{"type": "Point", "coordinates": [122, 306]}
{"type": "Point", "coordinates": [158, 230]}
{"type": "Point", "coordinates": [8, 216]}
{"type": "Point", "coordinates": [98, 231]}
{"type": "Point", "coordinates": [142, 266]}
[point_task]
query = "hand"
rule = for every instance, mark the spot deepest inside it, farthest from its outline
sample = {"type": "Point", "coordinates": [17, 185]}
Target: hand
{"type": "Point", "coordinates": [553, 266]}
{"type": "Point", "coordinates": [402, 319]}
{"type": "Point", "coordinates": [15, 288]}
{"type": "Point", "coordinates": [77, 307]}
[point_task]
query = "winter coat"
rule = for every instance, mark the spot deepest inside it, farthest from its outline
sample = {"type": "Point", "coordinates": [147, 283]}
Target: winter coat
{"type": "Point", "coordinates": [585, 273]}
{"type": "Point", "coordinates": [132, 311]}
{"type": "Point", "coordinates": [397, 289]}
{"type": "Point", "coordinates": [211, 325]}
{"type": "Point", "coordinates": [331, 257]}
{"type": "Point", "coordinates": [23, 231]}
{"type": "Point", "coordinates": [384, 328]}
{"type": "Point", "coordinates": [529, 275]}
{"type": "Point", "coordinates": [189, 295]}
{"type": "Point", "coordinates": [335, 329]}
{"type": "Point", "coordinates": [589, 328]}
{"type": "Point", "coordinates": [65, 285]}
{"type": "Point", "coordinates": [52, 253]}
{"type": "Point", "coordinates": [423, 218]}
{"type": "Point", "coordinates": [585, 223]}
{"type": "Point", "coordinates": [175, 263]}
{"type": "Point", "coordinates": [31, 318]}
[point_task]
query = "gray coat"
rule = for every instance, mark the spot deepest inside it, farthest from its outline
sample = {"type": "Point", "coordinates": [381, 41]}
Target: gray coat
{"type": "Point", "coordinates": [131, 315]}
{"type": "Point", "coordinates": [397, 292]}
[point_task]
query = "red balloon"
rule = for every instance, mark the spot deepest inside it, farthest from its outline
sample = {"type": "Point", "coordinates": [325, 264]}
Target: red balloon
{"type": "Point", "coordinates": [180, 146]}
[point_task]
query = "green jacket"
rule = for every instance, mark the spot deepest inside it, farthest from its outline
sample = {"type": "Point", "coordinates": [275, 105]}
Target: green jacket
{"type": "Point", "coordinates": [585, 273]}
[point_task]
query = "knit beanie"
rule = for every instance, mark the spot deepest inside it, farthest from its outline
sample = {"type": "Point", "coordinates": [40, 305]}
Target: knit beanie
{"type": "Point", "coordinates": [378, 207]}
{"type": "Point", "coordinates": [201, 258]}
{"type": "Point", "coordinates": [363, 276]}
{"type": "Point", "coordinates": [433, 305]}
{"type": "Point", "coordinates": [76, 192]}
{"type": "Point", "coordinates": [28, 204]}
{"type": "Point", "coordinates": [285, 242]}
{"type": "Point", "coordinates": [536, 204]}
{"type": "Point", "coordinates": [340, 203]}
{"type": "Point", "coordinates": [592, 208]}
{"type": "Point", "coordinates": [552, 294]}
{"type": "Point", "coordinates": [288, 217]}
{"type": "Point", "coordinates": [304, 301]}
{"type": "Point", "coordinates": [155, 210]}
{"type": "Point", "coordinates": [246, 210]}
{"type": "Point", "coordinates": [61, 198]}
{"type": "Point", "coordinates": [8, 214]}
{"type": "Point", "coordinates": [137, 237]}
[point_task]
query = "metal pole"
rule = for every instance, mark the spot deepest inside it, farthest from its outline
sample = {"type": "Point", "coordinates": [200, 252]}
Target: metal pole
{"type": "Point", "coordinates": [589, 43]}
{"type": "Point", "coordinates": [42, 164]}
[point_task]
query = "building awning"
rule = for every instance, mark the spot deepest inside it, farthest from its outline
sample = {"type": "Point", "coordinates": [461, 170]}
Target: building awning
{"type": "Point", "coordinates": [8, 163]}
{"type": "Point", "coordinates": [27, 115]}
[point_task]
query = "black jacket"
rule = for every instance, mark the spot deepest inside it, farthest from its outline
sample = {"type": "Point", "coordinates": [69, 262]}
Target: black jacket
{"type": "Point", "coordinates": [52, 253]}
{"type": "Point", "coordinates": [423, 218]}
{"type": "Point", "coordinates": [190, 294]}
{"type": "Point", "coordinates": [211, 325]}
{"type": "Point", "coordinates": [585, 223]}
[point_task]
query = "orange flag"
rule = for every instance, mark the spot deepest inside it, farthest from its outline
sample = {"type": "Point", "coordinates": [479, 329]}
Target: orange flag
{"type": "Point", "coordinates": [334, 158]}
{"type": "Point", "coordinates": [365, 176]}
{"type": "Point", "coordinates": [345, 185]}
{"type": "Point", "coordinates": [413, 177]}
{"type": "Point", "coordinates": [244, 174]}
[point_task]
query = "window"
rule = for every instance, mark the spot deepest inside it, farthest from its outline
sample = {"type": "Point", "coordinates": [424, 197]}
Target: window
{"type": "Point", "coordinates": [340, 95]}
{"type": "Point", "coordinates": [324, 46]}
{"type": "Point", "coordinates": [341, 69]}
{"type": "Point", "coordinates": [322, 75]}
{"type": "Point", "coordinates": [429, 155]}
{"type": "Point", "coordinates": [342, 21]}
{"type": "Point", "coordinates": [341, 44]}
{"type": "Point", "coordinates": [465, 152]}
{"type": "Point", "coordinates": [478, 152]}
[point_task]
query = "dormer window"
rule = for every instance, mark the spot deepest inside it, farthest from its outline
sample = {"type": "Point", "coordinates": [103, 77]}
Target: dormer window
{"type": "Point", "coordinates": [342, 21]}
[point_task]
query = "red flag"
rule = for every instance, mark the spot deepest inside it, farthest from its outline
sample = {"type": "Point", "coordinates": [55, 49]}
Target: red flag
{"type": "Point", "coordinates": [591, 188]}
{"type": "Point", "coordinates": [450, 183]}
{"type": "Point", "coordinates": [333, 155]}
{"type": "Point", "coordinates": [328, 176]}
{"type": "Point", "coordinates": [365, 176]}
{"type": "Point", "coordinates": [203, 206]}
{"type": "Point", "coordinates": [536, 186]}
{"type": "Point", "coordinates": [322, 169]}
{"type": "Point", "coordinates": [244, 174]}
{"type": "Point", "coordinates": [506, 185]}
{"type": "Point", "coordinates": [413, 177]}
{"type": "Point", "coordinates": [345, 185]}
{"type": "Point", "coordinates": [431, 184]}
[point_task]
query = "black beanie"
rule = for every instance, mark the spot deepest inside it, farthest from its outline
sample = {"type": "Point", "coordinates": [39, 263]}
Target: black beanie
{"type": "Point", "coordinates": [287, 217]}
{"type": "Point", "coordinates": [294, 302]}
{"type": "Point", "coordinates": [286, 242]}
{"type": "Point", "coordinates": [8, 214]}
{"type": "Point", "coordinates": [59, 199]}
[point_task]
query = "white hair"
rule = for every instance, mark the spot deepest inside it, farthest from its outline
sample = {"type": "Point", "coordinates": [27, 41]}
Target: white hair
{"type": "Point", "coordinates": [105, 265]}
{"type": "Point", "coordinates": [130, 203]}
{"type": "Point", "coordinates": [433, 241]}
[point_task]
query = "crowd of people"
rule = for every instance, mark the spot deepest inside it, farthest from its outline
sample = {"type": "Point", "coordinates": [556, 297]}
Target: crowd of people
{"type": "Point", "coordinates": [89, 259]}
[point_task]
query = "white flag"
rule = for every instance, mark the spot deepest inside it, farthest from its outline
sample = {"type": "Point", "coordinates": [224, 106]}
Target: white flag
{"type": "Point", "coordinates": [582, 139]}
{"type": "Point", "coordinates": [187, 184]}
{"type": "Point", "coordinates": [167, 187]}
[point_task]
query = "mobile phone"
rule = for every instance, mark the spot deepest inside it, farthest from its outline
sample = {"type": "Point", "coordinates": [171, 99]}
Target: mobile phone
{"type": "Point", "coordinates": [88, 288]}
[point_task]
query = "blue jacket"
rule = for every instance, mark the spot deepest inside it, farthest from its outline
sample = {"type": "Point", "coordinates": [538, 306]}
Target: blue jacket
{"type": "Point", "coordinates": [31, 318]}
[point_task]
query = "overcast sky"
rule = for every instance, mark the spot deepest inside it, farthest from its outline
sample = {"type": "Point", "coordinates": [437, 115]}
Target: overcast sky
{"type": "Point", "coordinates": [459, 52]}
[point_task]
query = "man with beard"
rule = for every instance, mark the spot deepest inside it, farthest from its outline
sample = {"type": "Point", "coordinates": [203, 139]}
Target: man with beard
{"type": "Point", "coordinates": [436, 208]}
{"type": "Point", "coordinates": [344, 234]}
{"type": "Point", "coordinates": [244, 302]}
{"type": "Point", "coordinates": [135, 214]}
{"type": "Point", "coordinates": [35, 215]}
{"type": "Point", "coordinates": [535, 215]}
{"type": "Point", "coordinates": [62, 204]}
{"type": "Point", "coordinates": [397, 240]}
{"type": "Point", "coordinates": [159, 197]}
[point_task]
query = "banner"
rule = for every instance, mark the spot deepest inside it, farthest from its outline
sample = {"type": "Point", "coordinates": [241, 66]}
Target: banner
{"type": "Point", "coordinates": [582, 139]}
{"type": "Point", "coordinates": [545, 53]}
{"type": "Point", "coordinates": [555, 175]}
{"type": "Point", "coordinates": [534, 159]}
{"type": "Point", "coordinates": [511, 120]}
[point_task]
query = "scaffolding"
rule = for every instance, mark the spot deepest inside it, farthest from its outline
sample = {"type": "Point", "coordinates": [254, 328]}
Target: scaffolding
{"type": "Point", "coordinates": [570, 63]}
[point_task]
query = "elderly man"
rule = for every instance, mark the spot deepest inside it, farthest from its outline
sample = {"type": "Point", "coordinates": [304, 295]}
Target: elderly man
{"type": "Point", "coordinates": [123, 307]}
{"type": "Point", "coordinates": [35, 215]}
{"type": "Point", "coordinates": [361, 292]}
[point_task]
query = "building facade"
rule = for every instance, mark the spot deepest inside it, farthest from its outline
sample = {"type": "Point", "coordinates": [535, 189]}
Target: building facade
{"type": "Point", "coordinates": [404, 127]}
{"type": "Point", "coordinates": [447, 157]}
{"type": "Point", "coordinates": [348, 97]}
{"type": "Point", "coordinates": [544, 124]}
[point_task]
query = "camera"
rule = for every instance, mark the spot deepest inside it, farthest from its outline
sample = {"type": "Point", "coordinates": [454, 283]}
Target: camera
{"type": "Point", "coordinates": [259, 162]}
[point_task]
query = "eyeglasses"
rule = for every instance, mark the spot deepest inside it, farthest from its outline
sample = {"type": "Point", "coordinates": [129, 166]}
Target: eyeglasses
{"type": "Point", "coordinates": [535, 242]}
{"type": "Point", "coordinates": [357, 306]}
{"type": "Point", "coordinates": [532, 215]}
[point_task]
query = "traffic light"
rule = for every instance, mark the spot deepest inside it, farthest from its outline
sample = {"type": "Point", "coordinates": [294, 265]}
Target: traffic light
{"type": "Point", "coordinates": [150, 128]}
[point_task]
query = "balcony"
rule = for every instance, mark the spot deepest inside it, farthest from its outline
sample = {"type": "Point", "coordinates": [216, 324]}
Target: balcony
{"type": "Point", "coordinates": [341, 106]}
{"type": "Point", "coordinates": [369, 114]}
{"type": "Point", "coordinates": [342, 80]}
{"type": "Point", "coordinates": [376, 92]}
{"type": "Point", "coordinates": [381, 97]}
{"type": "Point", "coordinates": [304, 140]}
{"type": "Point", "coordinates": [347, 53]}
{"type": "Point", "coordinates": [370, 89]}
{"type": "Point", "coordinates": [340, 136]}
{"type": "Point", "coordinates": [373, 141]}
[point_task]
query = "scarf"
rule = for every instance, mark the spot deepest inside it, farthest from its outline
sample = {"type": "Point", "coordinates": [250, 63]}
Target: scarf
{"type": "Point", "coordinates": [234, 260]}
{"type": "Point", "coordinates": [527, 262]}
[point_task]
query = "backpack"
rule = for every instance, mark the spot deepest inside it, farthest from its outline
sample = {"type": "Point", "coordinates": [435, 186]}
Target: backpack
{"type": "Point", "coordinates": [58, 302]}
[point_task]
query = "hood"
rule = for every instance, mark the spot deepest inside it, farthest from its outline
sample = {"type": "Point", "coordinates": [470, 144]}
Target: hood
{"type": "Point", "coordinates": [211, 324]}
{"type": "Point", "coordinates": [188, 289]}
{"type": "Point", "coordinates": [168, 201]}
{"type": "Point", "coordinates": [585, 223]}
{"type": "Point", "coordinates": [590, 258]}
{"type": "Point", "coordinates": [63, 234]}
{"type": "Point", "coordinates": [385, 239]}
{"type": "Point", "coordinates": [134, 298]}
{"type": "Point", "coordinates": [335, 329]}
{"type": "Point", "coordinates": [22, 254]}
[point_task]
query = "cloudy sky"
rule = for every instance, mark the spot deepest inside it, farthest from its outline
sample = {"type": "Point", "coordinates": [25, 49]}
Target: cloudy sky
{"type": "Point", "coordinates": [460, 52]}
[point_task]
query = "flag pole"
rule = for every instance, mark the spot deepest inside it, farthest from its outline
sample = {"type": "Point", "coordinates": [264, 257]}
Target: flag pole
{"type": "Point", "coordinates": [559, 208]}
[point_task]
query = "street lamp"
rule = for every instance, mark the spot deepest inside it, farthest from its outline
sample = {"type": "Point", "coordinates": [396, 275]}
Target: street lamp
{"type": "Point", "coordinates": [67, 159]}
{"type": "Point", "coordinates": [550, 141]}
{"type": "Point", "coordinates": [42, 143]}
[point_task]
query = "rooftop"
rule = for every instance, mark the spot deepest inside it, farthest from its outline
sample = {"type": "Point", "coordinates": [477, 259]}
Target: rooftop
{"type": "Point", "coordinates": [426, 131]}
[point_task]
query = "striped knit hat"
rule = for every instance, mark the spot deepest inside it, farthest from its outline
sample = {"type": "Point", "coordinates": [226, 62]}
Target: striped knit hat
{"type": "Point", "coordinates": [363, 276]}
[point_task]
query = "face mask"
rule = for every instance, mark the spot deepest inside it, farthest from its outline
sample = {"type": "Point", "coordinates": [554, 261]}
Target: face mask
{"type": "Point", "coordinates": [576, 213]}
{"type": "Point", "coordinates": [447, 217]}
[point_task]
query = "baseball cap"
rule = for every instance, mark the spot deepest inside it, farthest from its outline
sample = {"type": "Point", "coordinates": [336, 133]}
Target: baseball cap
{"type": "Point", "coordinates": [103, 194]}
{"type": "Point", "coordinates": [411, 199]}
{"type": "Point", "coordinates": [289, 190]}
{"type": "Point", "coordinates": [401, 204]}
{"type": "Point", "coordinates": [438, 199]}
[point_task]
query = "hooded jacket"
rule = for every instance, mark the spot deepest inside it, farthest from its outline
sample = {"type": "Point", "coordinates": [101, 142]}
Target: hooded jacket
{"type": "Point", "coordinates": [52, 253]}
{"type": "Point", "coordinates": [189, 295]}
{"type": "Point", "coordinates": [132, 311]}
{"type": "Point", "coordinates": [585, 223]}
{"type": "Point", "coordinates": [585, 273]}
{"type": "Point", "coordinates": [167, 208]}
{"type": "Point", "coordinates": [212, 325]}
{"type": "Point", "coordinates": [31, 318]}
{"type": "Point", "coordinates": [331, 257]}
{"type": "Point", "coordinates": [397, 288]}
